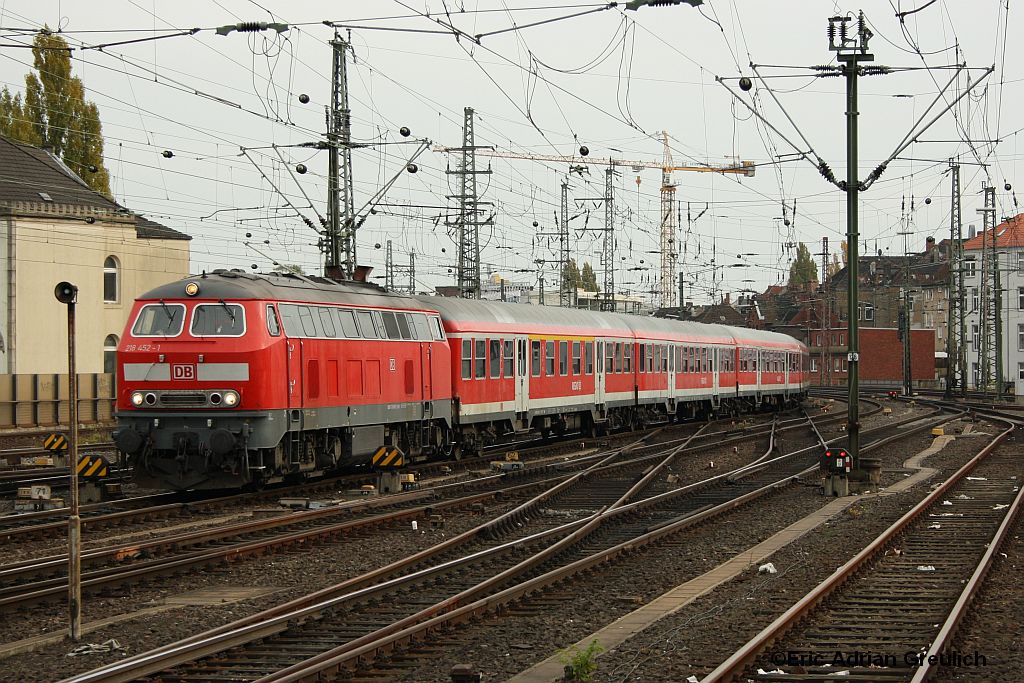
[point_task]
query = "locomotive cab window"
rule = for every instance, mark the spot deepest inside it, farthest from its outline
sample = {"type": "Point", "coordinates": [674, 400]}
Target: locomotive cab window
{"type": "Point", "coordinates": [327, 322]}
{"type": "Point", "coordinates": [436, 329]}
{"type": "Point", "coordinates": [218, 320]}
{"type": "Point", "coordinates": [404, 327]}
{"type": "Point", "coordinates": [273, 327]}
{"type": "Point", "coordinates": [159, 320]}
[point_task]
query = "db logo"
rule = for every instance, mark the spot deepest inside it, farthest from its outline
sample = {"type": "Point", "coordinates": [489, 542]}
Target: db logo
{"type": "Point", "coordinates": [183, 371]}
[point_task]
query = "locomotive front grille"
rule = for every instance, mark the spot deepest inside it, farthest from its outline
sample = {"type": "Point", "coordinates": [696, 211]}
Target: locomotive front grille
{"type": "Point", "coordinates": [183, 399]}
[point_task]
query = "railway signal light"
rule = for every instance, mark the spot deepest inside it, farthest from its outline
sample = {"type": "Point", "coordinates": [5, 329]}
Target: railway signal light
{"type": "Point", "coordinates": [836, 461]}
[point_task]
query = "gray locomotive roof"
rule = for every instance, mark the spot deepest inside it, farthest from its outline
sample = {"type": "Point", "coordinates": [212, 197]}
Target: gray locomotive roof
{"type": "Point", "coordinates": [239, 285]}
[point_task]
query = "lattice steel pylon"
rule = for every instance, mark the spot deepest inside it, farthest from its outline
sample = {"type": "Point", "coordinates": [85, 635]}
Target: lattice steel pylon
{"type": "Point", "coordinates": [340, 258]}
{"type": "Point", "coordinates": [468, 221]}
{"type": "Point", "coordinates": [988, 319]}
{"type": "Point", "coordinates": [669, 228]}
{"type": "Point", "coordinates": [389, 269]}
{"type": "Point", "coordinates": [956, 332]}
{"type": "Point", "coordinates": [608, 246]}
{"type": "Point", "coordinates": [565, 288]}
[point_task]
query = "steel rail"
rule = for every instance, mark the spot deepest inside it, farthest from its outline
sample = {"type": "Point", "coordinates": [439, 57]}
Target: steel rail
{"type": "Point", "coordinates": [736, 664]}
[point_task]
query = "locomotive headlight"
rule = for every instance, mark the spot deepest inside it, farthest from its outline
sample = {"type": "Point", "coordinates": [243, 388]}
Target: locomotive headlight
{"type": "Point", "coordinates": [137, 398]}
{"type": "Point", "coordinates": [230, 398]}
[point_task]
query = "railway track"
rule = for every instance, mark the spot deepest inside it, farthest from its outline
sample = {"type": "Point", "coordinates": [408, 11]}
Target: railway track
{"type": "Point", "coordinates": [41, 579]}
{"type": "Point", "coordinates": [262, 644]}
{"type": "Point", "coordinates": [892, 611]}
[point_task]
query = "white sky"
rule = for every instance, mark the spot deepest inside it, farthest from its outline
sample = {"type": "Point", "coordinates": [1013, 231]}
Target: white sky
{"type": "Point", "coordinates": [664, 78]}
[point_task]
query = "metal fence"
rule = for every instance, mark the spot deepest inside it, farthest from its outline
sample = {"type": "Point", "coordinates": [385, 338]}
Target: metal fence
{"type": "Point", "coordinates": [28, 401]}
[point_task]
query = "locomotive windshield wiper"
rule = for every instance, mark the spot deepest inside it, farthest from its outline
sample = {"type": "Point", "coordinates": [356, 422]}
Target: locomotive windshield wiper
{"type": "Point", "coordinates": [231, 314]}
{"type": "Point", "coordinates": [169, 312]}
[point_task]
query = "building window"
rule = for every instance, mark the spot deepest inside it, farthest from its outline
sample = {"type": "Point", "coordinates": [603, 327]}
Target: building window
{"type": "Point", "coordinates": [817, 342]}
{"type": "Point", "coordinates": [1020, 337]}
{"type": "Point", "coordinates": [110, 283]}
{"type": "Point", "coordinates": [110, 354]}
{"type": "Point", "coordinates": [842, 339]}
{"type": "Point", "coordinates": [974, 336]}
{"type": "Point", "coordinates": [1020, 261]}
{"type": "Point", "coordinates": [970, 267]}
{"type": "Point", "coordinates": [974, 298]}
{"type": "Point", "coordinates": [814, 364]}
{"type": "Point", "coordinates": [1020, 370]}
{"type": "Point", "coordinates": [869, 311]}
{"type": "Point", "coordinates": [1020, 298]}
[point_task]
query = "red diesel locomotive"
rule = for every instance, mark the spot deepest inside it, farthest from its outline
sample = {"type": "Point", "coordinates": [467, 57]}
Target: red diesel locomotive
{"type": "Point", "coordinates": [232, 378]}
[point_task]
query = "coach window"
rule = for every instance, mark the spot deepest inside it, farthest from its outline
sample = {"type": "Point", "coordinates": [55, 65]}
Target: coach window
{"type": "Point", "coordinates": [535, 358]}
{"type": "Point", "coordinates": [588, 356]}
{"type": "Point", "coordinates": [367, 330]}
{"type": "Point", "coordinates": [509, 357]}
{"type": "Point", "coordinates": [467, 359]}
{"type": "Point", "coordinates": [327, 321]}
{"type": "Point", "coordinates": [495, 347]}
{"type": "Point", "coordinates": [576, 357]}
{"type": "Point", "coordinates": [347, 322]}
{"type": "Point", "coordinates": [563, 358]}
{"type": "Point", "coordinates": [657, 358]}
{"type": "Point", "coordinates": [609, 357]}
{"type": "Point", "coordinates": [627, 358]}
{"type": "Point", "coordinates": [273, 327]}
{"type": "Point", "coordinates": [480, 360]}
{"type": "Point", "coordinates": [549, 358]}
{"type": "Point", "coordinates": [618, 356]}
{"type": "Point", "coordinates": [641, 357]}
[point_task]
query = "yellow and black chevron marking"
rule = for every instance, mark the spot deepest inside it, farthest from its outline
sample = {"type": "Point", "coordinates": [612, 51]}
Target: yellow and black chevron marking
{"type": "Point", "coordinates": [93, 467]}
{"type": "Point", "coordinates": [55, 442]}
{"type": "Point", "coordinates": [388, 456]}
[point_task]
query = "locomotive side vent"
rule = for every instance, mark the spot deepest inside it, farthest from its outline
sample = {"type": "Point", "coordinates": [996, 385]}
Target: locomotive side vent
{"type": "Point", "coordinates": [183, 399]}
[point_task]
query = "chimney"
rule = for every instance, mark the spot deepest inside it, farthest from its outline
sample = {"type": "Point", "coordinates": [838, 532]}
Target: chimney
{"type": "Point", "coordinates": [972, 232]}
{"type": "Point", "coordinates": [362, 273]}
{"type": "Point", "coordinates": [929, 243]}
{"type": "Point", "coordinates": [728, 298]}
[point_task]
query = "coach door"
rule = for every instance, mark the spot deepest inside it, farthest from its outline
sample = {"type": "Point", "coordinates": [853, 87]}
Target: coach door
{"type": "Point", "coordinates": [716, 360]}
{"type": "Point", "coordinates": [522, 376]}
{"type": "Point", "coordinates": [599, 374]}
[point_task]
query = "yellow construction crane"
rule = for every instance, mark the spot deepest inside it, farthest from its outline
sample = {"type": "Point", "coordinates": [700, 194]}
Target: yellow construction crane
{"type": "Point", "coordinates": [669, 224]}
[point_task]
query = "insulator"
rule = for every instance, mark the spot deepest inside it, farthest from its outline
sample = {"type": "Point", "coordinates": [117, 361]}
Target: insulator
{"type": "Point", "coordinates": [301, 169]}
{"type": "Point", "coordinates": [412, 168]}
{"type": "Point", "coordinates": [304, 98]}
{"type": "Point", "coordinates": [927, 200]}
{"type": "Point", "coordinates": [584, 150]}
{"type": "Point", "coordinates": [404, 131]}
{"type": "Point", "coordinates": [167, 154]}
{"type": "Point", "coordinates": [251, 26]}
